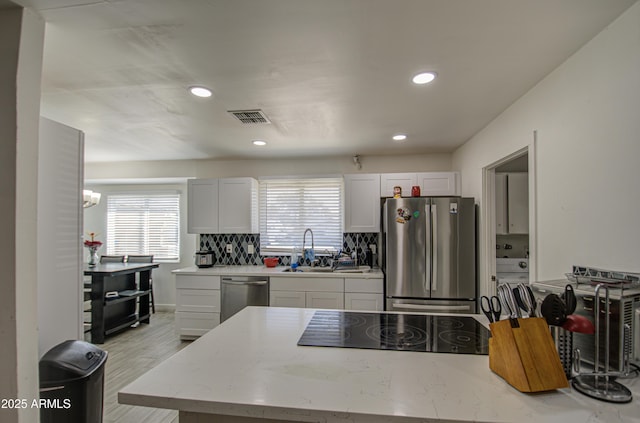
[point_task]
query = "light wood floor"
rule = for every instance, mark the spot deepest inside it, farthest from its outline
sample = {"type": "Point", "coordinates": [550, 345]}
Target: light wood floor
{"type": "Point", "coordinates": [131, 354]}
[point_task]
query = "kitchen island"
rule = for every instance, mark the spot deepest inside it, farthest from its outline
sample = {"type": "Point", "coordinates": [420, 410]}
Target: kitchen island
{"type": "Point", "coordinates": [250, 369]}
{"type": "Point", "coordinates": [130, 301]}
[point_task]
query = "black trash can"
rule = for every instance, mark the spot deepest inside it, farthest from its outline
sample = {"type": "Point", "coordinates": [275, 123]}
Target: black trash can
{"type": "Point", "coordinates": [72, 383]}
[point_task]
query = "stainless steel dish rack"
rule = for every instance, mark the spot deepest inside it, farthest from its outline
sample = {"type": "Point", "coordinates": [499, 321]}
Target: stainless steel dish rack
{"type": "Point", "coordinates": [600, 383]}
{"type": "Point", "coordinates": [610, 278]}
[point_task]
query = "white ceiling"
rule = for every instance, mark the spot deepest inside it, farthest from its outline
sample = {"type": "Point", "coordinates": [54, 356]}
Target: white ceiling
{"type": "Point", "coordinates": [334, 76]}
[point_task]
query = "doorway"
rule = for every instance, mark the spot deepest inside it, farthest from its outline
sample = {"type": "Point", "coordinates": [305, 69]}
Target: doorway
{"type": "Point", "coordinates": [509, 220]}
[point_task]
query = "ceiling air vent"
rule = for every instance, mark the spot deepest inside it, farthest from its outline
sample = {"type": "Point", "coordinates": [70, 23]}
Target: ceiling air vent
{"type": "Point", "coordinates": [250, 117]}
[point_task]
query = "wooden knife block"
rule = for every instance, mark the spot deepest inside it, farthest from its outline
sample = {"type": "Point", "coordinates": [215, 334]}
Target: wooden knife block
{"type": "Point", "coordinates": [526, 357]}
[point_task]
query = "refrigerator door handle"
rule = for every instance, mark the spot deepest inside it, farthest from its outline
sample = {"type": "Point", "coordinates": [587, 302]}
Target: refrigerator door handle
{"type": "Point", "coordinates": [427, 268]}
{"type": "Point", "coordinates": [431, 307]}
{"type": "Point", "coordinates": [434, 246]}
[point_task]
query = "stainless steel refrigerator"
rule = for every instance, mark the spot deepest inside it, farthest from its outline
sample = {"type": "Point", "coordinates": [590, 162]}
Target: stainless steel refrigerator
{"type": "Point", "coordinates": [430, 254]}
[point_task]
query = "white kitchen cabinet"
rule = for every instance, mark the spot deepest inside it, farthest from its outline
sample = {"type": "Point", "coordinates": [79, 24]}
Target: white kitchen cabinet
{"type": "Point", "coordinates": [202, 206]}
{"type": "Point", "coordinates": [362, 204]}
{"type": "Point", "coordinates": [364, 294]}
{"type": "Point", "coordinates": [438, 183]}
{"type": "Point", "coordinates": [502, 225]}
{"type": "Point", "coordinates": [306, 284]}
{"type": "Point", "coordinates": [197, 304]}
{"type": "Point", "coordinates": [402, 180]}
{"type": "Point", "coordinates": [512, 203]}
{"type": "Point", "coordinates": [334, 300]}
{"type": "Point", "coordinates": [227, 205]}
{"type": "Point", "coordinates": [333, 293]}
{"type": "Point", "coordinates": [194, 325]}
{"type": "Point", "coordinates": [430, 183]}
{"type": "Point", "coordinates": [309, 292]}
{"type": "Point", "coordinates": [238, 206]}
{"type": "Point", "coordinates": [363, 301]}
{"type": "Point", "coordinates": [287, 299]}
{"type": "Point", "coordinates": [518, 201]}
{"type": "Point", "coordinates": [302, 299]}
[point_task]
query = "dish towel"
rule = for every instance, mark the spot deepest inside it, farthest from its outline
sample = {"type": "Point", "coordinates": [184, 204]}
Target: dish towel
{"type": "Point", "coordinates": [309, 254]}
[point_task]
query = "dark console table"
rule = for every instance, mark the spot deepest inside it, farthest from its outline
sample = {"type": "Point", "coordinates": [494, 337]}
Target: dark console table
{"type": "Point", "coordinates": [130, 306]}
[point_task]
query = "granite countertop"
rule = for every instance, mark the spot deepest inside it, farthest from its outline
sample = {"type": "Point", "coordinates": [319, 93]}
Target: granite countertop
{"type": "Point", "coordinates": [250, 366]}
{"type": "Point", "coordinates": [260, 270]}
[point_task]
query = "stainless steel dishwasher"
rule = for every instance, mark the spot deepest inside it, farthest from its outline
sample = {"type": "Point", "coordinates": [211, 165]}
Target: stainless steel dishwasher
{"type": "Point", "coordinates": [241, 291]}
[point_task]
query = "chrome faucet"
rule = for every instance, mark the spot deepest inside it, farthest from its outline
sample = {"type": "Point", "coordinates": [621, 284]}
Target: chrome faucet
{"type": "Point", "coordinates": [304, 252]}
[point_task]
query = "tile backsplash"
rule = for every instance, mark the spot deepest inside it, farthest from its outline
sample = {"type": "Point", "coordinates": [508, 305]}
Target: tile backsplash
{"type": "Point", "coordinates": [241, 242]}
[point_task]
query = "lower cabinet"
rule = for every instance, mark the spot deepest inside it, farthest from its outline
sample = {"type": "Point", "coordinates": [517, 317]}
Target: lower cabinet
{"type": "Point", "coordinates": [325, 300]}
{"type": "Point", "coordinates": [363, 294]}
{"type": "Point", "coordinates": [331, 293]}
{"type": "Point", "coordinates": [194, 325]}
{"type": "Point", "coordinates": [287, 299]}
{"type": "Point", "coordinates": [198, 298]}
{"type": "Point", "coordinates": [306, 292]}
{"type": "Point", "coordinates": [363, 301]}
{"type": "Point", "coordinates": [303, 299]}
{"type": "Point", "coordinates": [197, 305]}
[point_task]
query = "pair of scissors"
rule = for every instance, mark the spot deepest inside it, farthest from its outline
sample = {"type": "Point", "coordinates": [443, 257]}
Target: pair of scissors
{"type": "Point", "coordinates": [491, 307]}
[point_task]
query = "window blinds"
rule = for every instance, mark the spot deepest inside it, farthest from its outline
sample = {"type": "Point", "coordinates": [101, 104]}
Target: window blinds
{"type": "Point", "coordinates": [144, 224]}
{"type": "Point", "coordinates": [289, 206]}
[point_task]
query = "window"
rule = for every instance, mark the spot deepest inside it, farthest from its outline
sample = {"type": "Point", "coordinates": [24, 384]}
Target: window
{"type": "Point", "coordinates": [144, 224]}
{"type": "Point", "coordinates": [289, 206]}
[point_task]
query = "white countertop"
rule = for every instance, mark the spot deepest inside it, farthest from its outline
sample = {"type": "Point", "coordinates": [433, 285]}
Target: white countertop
{"type": "Point", "coordinates": [259, 270]}
{"type": "Point", "coordinates": [251, 366]}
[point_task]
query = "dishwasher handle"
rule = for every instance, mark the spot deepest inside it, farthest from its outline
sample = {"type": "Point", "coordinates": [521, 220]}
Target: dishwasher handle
{"type": "Point", "coordinates": [240, 282]}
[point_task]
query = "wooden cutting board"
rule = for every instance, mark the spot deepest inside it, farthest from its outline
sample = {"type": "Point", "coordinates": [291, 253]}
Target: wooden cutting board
{"type": "Point", "coordinates": [526, 356]}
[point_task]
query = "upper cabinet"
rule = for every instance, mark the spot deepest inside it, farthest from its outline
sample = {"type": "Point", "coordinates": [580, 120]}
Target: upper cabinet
{"type": "Point", "coordinates": [202, 206]}
{"type": "Point", "coordinates": [518, 202]}
{"type": "Point", "coordinates": [402, 180]}
{"type": "Point", "coordinates": [502, 225]}
{"type": "Point", "coordinates": [226, 206]}
{"type": "Point", "coordinates": [430, 183]}
{"type": "Point", "coordinates": [438, 183]}
{"type": "Point", "coordinates": [238, 206]}
{"type": "Point", "coordinates": [362, 202]}
{"type": "Point", "coordinates": [512, 203]}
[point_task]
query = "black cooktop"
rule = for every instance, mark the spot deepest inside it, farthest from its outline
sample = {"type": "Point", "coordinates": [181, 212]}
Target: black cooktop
{"type": "Point", "coordinates": [402, 332]}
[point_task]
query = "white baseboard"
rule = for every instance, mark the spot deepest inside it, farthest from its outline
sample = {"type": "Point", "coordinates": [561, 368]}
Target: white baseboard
{"type": "Point", "coordinates": [166, 308]}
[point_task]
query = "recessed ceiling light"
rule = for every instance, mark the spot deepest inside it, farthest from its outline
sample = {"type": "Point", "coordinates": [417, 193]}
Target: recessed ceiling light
{"type": "Point", "coordinates": [200, 91]}
{"type": "Point", "coordinates": [399, 137]}
{"type": "Point", "coordinates": [259, 143]}
{"type": "Point", "coordinates": [424, 78]}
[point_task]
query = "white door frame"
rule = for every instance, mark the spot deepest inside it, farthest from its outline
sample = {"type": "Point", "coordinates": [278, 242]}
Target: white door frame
{"type": "Point", "coordinates": [488, 227]}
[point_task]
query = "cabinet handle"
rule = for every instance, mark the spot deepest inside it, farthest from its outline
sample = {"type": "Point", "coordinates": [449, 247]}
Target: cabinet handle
{"type": "Point", "coordinates": [230, 282]}
{"type": "Point", "coordinates": [431, 307]}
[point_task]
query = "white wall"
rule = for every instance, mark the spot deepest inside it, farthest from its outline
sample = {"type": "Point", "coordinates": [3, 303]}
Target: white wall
{"type": "Point", "coordinates": [586, 114]}
{"type": "Point", "coordinates": [95, 220]}
{"type": "Point", "coordinates": [21, 42]}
